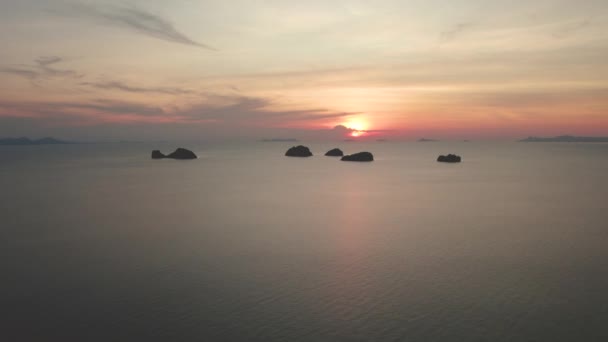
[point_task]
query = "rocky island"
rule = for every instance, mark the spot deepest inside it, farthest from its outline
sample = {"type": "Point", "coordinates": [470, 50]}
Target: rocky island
{"type": "Point", "coordinates": [450, 158]}
{"type": "Point", "coordinates": [298, 151]}
{"type": "Point", "coordinates": [359, 157]}
{"type": "Point", "coordinates": [180, 153]}
{"type": "Point", "coordinates": [336, 152]}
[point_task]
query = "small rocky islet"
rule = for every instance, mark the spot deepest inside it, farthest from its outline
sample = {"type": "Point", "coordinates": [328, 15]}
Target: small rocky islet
{"type": "Point", "coordinates": [180, 154]}
{"type": "Point", "coordinates": [450, 158]}
{"type": "Point", "coordinates": [298, 151]}
{"type": "Point", "coordinates": [359, 157]}
{"type": "Point", "coordinates": [334, 152]}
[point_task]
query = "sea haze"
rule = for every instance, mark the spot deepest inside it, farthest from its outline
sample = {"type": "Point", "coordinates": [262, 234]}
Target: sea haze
{"type": "Point", "coordinates": [101, 243]}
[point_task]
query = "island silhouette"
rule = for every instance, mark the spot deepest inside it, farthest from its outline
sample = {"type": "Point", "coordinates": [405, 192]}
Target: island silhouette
{"type": "Point", "coordinates": [180, 153]}
{"type": "Point", "coordinates": [566, 138]}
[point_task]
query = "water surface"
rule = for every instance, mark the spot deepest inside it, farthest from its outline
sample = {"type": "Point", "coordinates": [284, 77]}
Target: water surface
{"type": "Point", "coordinates": [101, 243]}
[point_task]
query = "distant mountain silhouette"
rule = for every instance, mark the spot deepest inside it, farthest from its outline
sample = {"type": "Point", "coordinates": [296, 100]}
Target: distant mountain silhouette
{"type": "Point", "coordinates": [28, 141]}
{"type": "Point", "coordinates": [565, 138]}
{"type": "Point", "coordinates": [280, 140]}
{"type": "Point", "coordinates": [426, 140]}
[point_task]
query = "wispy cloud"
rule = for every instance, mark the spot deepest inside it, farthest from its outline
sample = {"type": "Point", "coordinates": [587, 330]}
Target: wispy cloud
{"type": "Point", "coordinates": [46, 63]}
{"type": "Point", "coordinates": [222, 109]}
{"type": "Point", "coordinates": [132, 18]}
{"type": "Point", "coordinates": [43, 67]}
{"type": "Point", "coordinates": [121, 86]}
{"type": "Point", "coordinates": [25, 73]}
{"type": "Point", "coordinates": [541, 98]}
{"type": "Point", "coordinates": [83, 108]}
{"type": "Point", "coordinates": [255, 111]}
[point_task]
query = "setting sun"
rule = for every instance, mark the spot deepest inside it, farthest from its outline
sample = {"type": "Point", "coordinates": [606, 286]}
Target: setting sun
{"type": "Point", "coordinates": [356, 125]}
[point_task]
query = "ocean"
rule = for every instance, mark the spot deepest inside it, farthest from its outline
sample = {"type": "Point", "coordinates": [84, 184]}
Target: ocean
{"type": "Point", "coordinates": [98, 242]}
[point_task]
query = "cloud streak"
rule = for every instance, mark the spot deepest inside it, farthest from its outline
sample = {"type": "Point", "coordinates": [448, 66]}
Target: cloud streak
{"type": "Point", "coordinates": [84, 108]}
{"type": "Point", "coordinates": [221, 109]}
{"type": "Point", "coordinates": [45, 64]}
{"type": "Point", "coordinates": [25, 73]}
{"type": "Point", "coordinates": [134, 19]}
{"type": "Point", "coordinates": [121, 86]}
{"type": "Point", "coordinates": [43, 67]}
{"type": "Point", "coordinates": [255, 111]}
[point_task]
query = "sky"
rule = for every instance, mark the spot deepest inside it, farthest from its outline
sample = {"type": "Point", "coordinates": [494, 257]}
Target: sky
{"type": "Point", "coordinates": [236, 69]}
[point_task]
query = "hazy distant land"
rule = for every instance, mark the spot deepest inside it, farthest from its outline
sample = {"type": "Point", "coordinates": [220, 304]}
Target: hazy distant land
{"type": "Point", "coordinates": [28, 141]}
{"type": "Point", "coordinates": [280, 140]}
{"type": "Point", "coordinates": [565, 138]}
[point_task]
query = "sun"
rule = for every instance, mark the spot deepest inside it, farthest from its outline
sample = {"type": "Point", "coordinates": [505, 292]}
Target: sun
{"type": "Point", "coordinates": [358, 127]}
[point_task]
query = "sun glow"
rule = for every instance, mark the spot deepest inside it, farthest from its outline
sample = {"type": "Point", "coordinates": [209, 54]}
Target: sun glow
{"type": "Point", "coordinates": [358, 127]}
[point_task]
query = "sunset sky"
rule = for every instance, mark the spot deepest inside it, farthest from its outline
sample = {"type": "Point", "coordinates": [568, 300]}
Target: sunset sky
{"type": "Point", "coordinates": [401, 69]}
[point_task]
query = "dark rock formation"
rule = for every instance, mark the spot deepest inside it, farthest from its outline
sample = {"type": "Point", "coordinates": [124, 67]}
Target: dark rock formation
{"type": "Point", "coordinates": [450, 158]}
{"type": "Point", "coordinates": [298, 151]}
{"type": "Point", "coordinates": [336, 152]}
{"type": "Point", "coordinates": [180, 153]}
{"type": "Point", "coordinates": [360, 157]}
{"type": "Point", "coordinates": [156, 154]}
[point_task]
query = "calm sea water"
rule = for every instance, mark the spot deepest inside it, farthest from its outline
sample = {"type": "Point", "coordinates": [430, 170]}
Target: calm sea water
{"type": "Point", "coordinates": [100, 243]}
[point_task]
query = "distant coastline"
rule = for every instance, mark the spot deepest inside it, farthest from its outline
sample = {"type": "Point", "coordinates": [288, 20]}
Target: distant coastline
{"type": "Point", "coordinates": [28, 141]}
{"type": "Point", "coordinates": [566, 138]}
{"type": "Point", "coordinates": [280, 140]}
